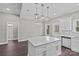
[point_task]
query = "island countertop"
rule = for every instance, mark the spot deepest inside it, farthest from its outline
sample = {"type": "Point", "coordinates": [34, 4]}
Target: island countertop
{"type": "Point", "coordinates": [36, 41]}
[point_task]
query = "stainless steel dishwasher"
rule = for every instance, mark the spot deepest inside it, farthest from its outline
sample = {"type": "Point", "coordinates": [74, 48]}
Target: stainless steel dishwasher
{"type": "Point", "coordinates": [66, 41]}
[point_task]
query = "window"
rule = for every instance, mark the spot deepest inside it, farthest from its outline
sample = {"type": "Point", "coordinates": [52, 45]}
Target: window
{"type": "Point", "coordinates": [56, 28]}
{"type": "Point", "coordinates": [48, 29]}
{"type": "Point", "coordinates": [77, 27]}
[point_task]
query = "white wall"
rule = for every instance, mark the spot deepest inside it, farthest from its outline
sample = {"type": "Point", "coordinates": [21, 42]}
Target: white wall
{"type": "Point", "coordinates": [4, 18]}
{"type": "Point", "coordinates": [29, 29]}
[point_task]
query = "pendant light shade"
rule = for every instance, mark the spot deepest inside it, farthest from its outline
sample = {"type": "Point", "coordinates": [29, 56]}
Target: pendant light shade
{"type": "Point", "coordinates": [36, 15]}
{"type": "Point", "coordinates": [47, 16]}
{"type": "Point", "coordinates": [42, 12]}
{"type": "Point", "coordinates": [41, 18]}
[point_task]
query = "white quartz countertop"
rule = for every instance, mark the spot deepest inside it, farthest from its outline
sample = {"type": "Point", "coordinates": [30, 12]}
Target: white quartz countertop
{"type": "Point", "coordinates": [36, 41]}
{"type": "Point", "coordinates": [68, 35]}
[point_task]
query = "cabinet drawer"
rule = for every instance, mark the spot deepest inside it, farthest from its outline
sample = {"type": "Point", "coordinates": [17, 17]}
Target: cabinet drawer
{"type": "Point", "coordinates": [41, 49]}
{"type": "Point", "coordinates": [42, 53]}
{"type": "Point", "coordinates": [75, 44]}
{"type": "Point", "coordinates": [51, 49]}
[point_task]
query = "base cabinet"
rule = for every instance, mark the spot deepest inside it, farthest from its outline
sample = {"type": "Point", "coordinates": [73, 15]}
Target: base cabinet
{"type": "Point", "coordinates": [75, 44]}
{"type": "Point", "coordinates": [50, 49]}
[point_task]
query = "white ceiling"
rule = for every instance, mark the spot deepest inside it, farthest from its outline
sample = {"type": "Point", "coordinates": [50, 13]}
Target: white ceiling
{"type": "Point", "coordinates": [58, 8]}
{"type": "Point", "coordinates": [28, 9]}
{"type": "Point", "coordinates": [12, 8]}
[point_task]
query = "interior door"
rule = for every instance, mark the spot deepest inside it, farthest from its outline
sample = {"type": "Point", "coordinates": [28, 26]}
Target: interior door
{"type": "Point", "coordinates": [10, 32]}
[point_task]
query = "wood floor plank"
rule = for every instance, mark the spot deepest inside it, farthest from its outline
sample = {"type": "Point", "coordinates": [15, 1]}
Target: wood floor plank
{"type": "Point", "coordinates": [15, 48]}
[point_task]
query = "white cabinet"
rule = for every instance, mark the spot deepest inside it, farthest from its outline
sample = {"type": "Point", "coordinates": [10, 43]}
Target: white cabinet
{"type": "Point", "coordinates": [51, 48]}
{"type": "Point", "coordinates": [54, 48]}
{"type": "Point", "coordinates": [41, 50]}
{"type": "Point", "coordinates": [75, 44]}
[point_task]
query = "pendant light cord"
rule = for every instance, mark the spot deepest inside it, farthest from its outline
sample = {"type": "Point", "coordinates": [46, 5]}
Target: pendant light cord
{"type": "Point", "coordinates": [42, 5]}
{"type": "Point", "coordinates": [36, 9]}
{"type": "Point", "coordinates": [47, 11]}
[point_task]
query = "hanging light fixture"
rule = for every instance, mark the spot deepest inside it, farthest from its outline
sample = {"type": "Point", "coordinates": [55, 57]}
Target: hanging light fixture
{"type": "Point", "coordinates": [36, 14]}
{"type": "Point", "coordinates": [42, 14]}
{"type": "Point", "coordinates": [47, 17]}
{"type": "Point", "coordinates": [54, 10]}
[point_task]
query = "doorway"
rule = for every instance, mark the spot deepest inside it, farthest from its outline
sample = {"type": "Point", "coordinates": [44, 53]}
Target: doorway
{"type": "Point", "coordinates": [12, 31]}
{"type": "Point", "coordinates": [9, 31]}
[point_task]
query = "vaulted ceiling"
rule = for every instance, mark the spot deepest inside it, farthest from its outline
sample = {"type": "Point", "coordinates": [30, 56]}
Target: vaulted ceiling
{"type": "Point", "coordinates": [55, 9]}
{"type": "Point", "coordinates": [27, 10]}
{"type": "Point", "coordinates": [12, 8]}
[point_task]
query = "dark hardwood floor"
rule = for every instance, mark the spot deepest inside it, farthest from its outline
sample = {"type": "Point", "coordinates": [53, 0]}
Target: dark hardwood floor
{"type": "Point", "coordinates": [68, 52]}
{"type": "Point", "coordinates": [13, 48]}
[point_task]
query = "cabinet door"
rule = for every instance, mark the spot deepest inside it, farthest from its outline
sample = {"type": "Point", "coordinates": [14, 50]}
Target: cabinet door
{"type": "Point", "coordinates": [41, 50]}
{"type": "Point", "coordinates": [58, 47]}
{"type": "Point", "coordinates": [54, 48]}
{"type": "Point", "coordinates": [66, 42]}
{"type": "Point", "coordinates": [51, 49]}
{"type": "Point", "coordinates": [75, 44]}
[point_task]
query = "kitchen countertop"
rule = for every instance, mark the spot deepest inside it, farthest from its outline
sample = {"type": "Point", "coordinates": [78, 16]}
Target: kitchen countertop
{"type": "Point", "coordinates": [67, 35]}
{"type": "Point", "coordinates": [72, 36]}
{"type": "Point", "coordinates": [36, 41]}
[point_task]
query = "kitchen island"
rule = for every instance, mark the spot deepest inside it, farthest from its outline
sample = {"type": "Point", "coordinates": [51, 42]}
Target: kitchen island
{"type": "Point", "coordinates": [44, 46]}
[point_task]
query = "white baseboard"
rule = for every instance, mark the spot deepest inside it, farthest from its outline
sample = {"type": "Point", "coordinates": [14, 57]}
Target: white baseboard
{"type": "Point", "coordinates": [3, 43]}
{"type": "Point", "coordinates": [22, 40]}
{"type": "Point", "coordinates": [13, 39]}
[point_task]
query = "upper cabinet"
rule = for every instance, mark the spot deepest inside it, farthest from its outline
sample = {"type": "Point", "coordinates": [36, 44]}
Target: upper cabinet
{"type": "Point", "coordinates": [65, 23]}
{"type": "Point", "coordinates": [61, 26]}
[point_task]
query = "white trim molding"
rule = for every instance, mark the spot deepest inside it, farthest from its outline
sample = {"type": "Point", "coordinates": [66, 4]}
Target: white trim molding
{"type": "Point", "coordinates": [2, 43]}
{"type": "Point", "coordinates": [22, 40]}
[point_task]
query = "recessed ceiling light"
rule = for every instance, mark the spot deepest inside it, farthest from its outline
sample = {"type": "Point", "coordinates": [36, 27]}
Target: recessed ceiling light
{"type": "Point", "coordinates": [7, 9]}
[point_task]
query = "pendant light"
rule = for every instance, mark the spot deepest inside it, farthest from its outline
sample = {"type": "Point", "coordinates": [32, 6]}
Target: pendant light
{"type": "Point", "coordinates": [47, 17]}
{"type": "Point", "coordinates": [42, 14]}
{"type": "Point", "coordinates": [54, 10]}
{"type": "Point", "coordinates": [36, 14]}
